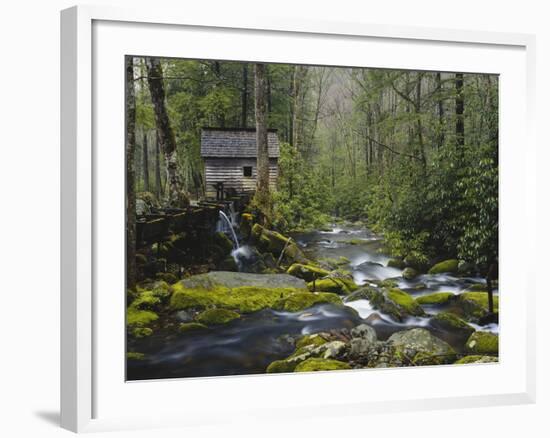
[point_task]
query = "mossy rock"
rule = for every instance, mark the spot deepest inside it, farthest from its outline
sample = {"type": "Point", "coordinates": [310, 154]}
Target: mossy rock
{"type": "Point", "coordinates": [315, 340]}
{"type": "Point", "coordinates": [186, 327]}
{"type": "Point", "coordinates": [420, 347]}
{"type": "Point", "coordinates": [405, 301]}
{"type": "Point", "coordinates": [483, 343]}
{"type": "Point", "coordinates": [476, 358]}
{"type": "Point", "coordinates": [146, 300]}
{"type": "Point", "coordinates": [396, 263]}
{"type": "Point", "coordinates": [388, 282]}
{"type": "Point", "coordinates": [133, 355]}
{"type": "Point", "coordinates": [307, 272]}
{"type": "Point", "coordinates": [437, 298]}
{"type": "Point", "coordinates": [319, 364]}
{"type": "Point", "coordinates": [141, 332]}
{"type": "Point", "coordinates": [303, 300]}
{"type": "Point", "coordinates": [216, 316]}
{"type": "Point", "coordinates": [393, 302]}
{"type": "Point", "coordinates": [339, 285]}
{"type": "Point", "coordinates": [450, 266]}
{"type": "Point", "coordinates": [452, 323]}
{"type": "Point", "coordinates": [139, 318]}
{"type": "Point", "coordinates": [281, 366]}
{"type": "Point", "coordinates": [475, 305]}
{"type": "Point", "coordinates": [409, 273]}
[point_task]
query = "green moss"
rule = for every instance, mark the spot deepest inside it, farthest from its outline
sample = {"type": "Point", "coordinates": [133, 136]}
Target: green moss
{"type": "Point", "coordinates": [482, 343]}
{"type": "Point", "coordinates": [281, 366]}
{"type": "Point", "coordinates": [216, 316]}
{"type": "Point", "coordinates": [139, 318]}
{"type": "Point", "coordinates": [405, 301]}
{"type": "Point", "coordinates": [245, 299]}
{"type": "Point", "coordinates": [476, 304]}
{"type": "Point", "coordinates": [315, 340]}
{"type": "Point", "coordinates": [146, 301]}
{"type": "Point", "coordinates": [451, 322]}
{"type": "Point", "coordinates": [186, 327]}
{"type": "Point", "coordinates": [132, 355]}
{"type": "Point", "coordinates": [141, 332]}
{"type": "Point", "coordinates": [435, 298]}
{"type": "Point", "coordinates": [476, 359]}
{"type": "Point", "coordinates": [307, 272]}
{"type": "Point", "coordinates": [445, 266]}
{"type": "Point", "coordinates": [341, 285]}
{"type": "Point", "coordinates": [355, 241]}
{"type": "Point", "coordinates": [303, 300]}
{"type": "Point", "coordinates": [388, 282]}
{"type": "Point", "coordinates": [317, 364]}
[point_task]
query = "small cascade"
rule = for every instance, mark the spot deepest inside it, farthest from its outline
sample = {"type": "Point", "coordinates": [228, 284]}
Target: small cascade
{"type": "Point", "coordinates": [225, 225]}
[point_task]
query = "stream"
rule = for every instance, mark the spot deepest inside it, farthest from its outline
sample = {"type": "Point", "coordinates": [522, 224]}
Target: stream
{"type": "Point", "coordinates": [248, 345]}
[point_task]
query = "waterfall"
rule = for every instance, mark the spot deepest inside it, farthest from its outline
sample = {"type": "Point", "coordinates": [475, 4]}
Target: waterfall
{"type": "Point", "coordinates": [228, 224]}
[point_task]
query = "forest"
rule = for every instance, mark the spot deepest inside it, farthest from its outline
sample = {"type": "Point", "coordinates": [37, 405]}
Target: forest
{"type": "Point", "coordinates": [383, 214]}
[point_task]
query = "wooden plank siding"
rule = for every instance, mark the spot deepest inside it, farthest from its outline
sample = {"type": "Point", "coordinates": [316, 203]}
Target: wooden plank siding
{"type": "Point", "coordinates": [230, 172]}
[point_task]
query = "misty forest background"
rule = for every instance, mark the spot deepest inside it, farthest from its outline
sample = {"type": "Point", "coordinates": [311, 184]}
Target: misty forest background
{"type": "Point", "coordinates": [414, 155]}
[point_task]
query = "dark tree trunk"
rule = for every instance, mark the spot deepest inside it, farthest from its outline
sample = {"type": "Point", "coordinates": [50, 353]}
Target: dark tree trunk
{"type": "Point", "coordinates": [176, 195]}
{"type": "Point", "coordinates": [131, 272]}
{"type": "Point", "coordinates": [244, 97]}
{"type": "Point", "coordinates": [158, 179]}
{"type": "Point", "coordinates": [459, 111]}
{"type": "Point", "coordinates": [418, 110]}
{"type": "Point", "coordinates": [146, 186]}
{"type": "Point", "coordinates": [262, 196]}
{"type": "Point", "coordinates": [297, 113]}
{"type": "Point", "coordinates": [440, 111]}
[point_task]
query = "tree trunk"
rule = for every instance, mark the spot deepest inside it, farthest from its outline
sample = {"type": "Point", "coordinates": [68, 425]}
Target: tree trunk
{"type": "Point", "coordinates": [158, 180]}
{"type": "Point", "coordinates": [298, 107]}
{"type": "Point", "coordinates": [146, 186]}
{"type": "Point", "coordinates": [176, 194]}
{"type": "Point", "coordinates": [459, 111]}
{"type": "Point", "coordinates": [262, 196]}
{"type": "Point", "coordinates": [244, 97]}
{"type": "Point", "coordinates": [440, 111]}
{"type": "Point", "coordinates": [418, 110]}
{"type": "Point", "coordinates": [131, 271]}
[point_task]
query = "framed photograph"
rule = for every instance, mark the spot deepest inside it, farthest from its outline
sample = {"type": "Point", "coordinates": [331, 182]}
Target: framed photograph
{"type": "Point", "coordinates": [276, 217]}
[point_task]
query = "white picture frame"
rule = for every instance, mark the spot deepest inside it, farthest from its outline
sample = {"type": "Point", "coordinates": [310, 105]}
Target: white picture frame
{"type": "Point", "coordinates": [91, 392]}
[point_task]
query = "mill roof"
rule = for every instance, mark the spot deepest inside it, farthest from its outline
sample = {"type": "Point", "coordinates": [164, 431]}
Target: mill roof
{"type": "Point", "coordinates": [235, 142]}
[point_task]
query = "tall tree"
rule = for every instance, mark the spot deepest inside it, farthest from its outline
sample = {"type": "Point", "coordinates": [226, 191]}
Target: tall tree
{"type": "Point", "coordinates": [244, 97]}
{"type": "Point", "coordinates": [158, 179]}
{"type": "Point", "coordinates": [177, 197]}
{"type": "Point", "coordinates": [459, 111]}
{"type": "Point", "coordinates": [130, 175]}
{"type": "Point", "coordinates": [145, 156]}
{"type": "Point", "coordinates": [440, 110]}
{"type": "Point", "coordinates": [262, 197]}
{"type": "Point", "coordinates": [298, 79]}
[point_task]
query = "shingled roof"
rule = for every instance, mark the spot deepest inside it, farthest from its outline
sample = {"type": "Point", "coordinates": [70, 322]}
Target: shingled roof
{"type": "Point", "coordinates": [236, 143]}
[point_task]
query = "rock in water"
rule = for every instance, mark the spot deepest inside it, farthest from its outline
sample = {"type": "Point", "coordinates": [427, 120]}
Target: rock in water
{"type": "Point", "coordinates": [213, 279]}
{"type": "Point", "coordinates": [420, 347]}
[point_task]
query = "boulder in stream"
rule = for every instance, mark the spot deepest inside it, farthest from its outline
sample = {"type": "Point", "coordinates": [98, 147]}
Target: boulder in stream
{"type": "Point", "coordinates": [446, 266]}
{"type": "Point", "coordinates": [419, 347]}
{"type": "Point", "coordinates": [483, 343]}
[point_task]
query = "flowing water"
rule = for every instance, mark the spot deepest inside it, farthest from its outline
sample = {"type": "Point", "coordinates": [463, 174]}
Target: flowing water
{"type": "Point", "coordinates": [250, 344]}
